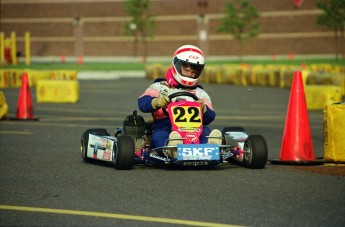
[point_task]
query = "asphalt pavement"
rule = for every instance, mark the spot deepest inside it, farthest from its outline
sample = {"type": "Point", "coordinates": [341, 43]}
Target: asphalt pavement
{"type": "Point", "coordinates": [44, 181]}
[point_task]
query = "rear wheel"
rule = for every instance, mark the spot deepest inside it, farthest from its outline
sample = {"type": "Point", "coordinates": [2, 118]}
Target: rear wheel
{"type": "Point", "coordinates": [85, 141]}
{"type": "Point", "coordinates": [124, 153]}
{"type": "Point", "coordinates": [255, 152]}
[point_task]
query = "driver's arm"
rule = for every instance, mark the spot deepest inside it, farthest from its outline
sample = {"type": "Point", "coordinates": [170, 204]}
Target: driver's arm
{"type": "Point", "coordinates": [152, 99]}
{"type": "Point", "coordinates": [144, 104]}
{"type": "Point", "coordinates": [145, 99]}
{"type": "Point", "coordinates": [208, 113]}
{"type": "Point", "coordinates": [160, 102]}
{"type": "Point", "coordinates": [209, 116]}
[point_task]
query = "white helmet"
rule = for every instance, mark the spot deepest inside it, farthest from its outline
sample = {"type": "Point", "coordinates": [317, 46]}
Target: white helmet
{"type": "Point", "coordinates": [187, 55]}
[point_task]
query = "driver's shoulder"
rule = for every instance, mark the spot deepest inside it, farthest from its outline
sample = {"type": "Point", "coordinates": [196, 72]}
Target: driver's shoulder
{"type": "Point", "coordinates": [202, 93]}
{"type": "Point", "coordinates": [201, 87]}
{"type": "Point", "coordinates": [161, 82]}
{"type": "Point", "coordinates": [158, 80]}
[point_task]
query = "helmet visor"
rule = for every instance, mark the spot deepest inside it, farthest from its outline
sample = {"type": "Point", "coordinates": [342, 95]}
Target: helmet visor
{"type": "Point", "coordinates": [195, 68]}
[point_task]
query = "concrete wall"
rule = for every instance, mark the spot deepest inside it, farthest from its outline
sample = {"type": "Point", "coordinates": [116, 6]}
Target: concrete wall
{"type": "Point", "coordinates": [54, 32]}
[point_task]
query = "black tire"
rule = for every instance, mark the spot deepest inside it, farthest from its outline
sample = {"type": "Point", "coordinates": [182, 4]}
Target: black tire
{"type": "Point", "coordinates": [85, 140]}
{"type": "Point", "coordinates": [124, 155]}
{"type": "Point", "coordinates": [233, 129]}
{"type": "Point", "coordinates": [256, 153]}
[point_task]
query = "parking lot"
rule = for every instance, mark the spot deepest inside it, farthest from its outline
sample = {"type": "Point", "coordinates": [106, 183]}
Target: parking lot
{"type": "Point", "coordinates": [44, 181]}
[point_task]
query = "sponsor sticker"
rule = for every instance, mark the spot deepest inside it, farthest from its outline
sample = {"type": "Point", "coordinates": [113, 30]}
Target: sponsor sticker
{"type": "Point", "coordinates": [191, 152]}
{"type": "Point", "coordinates": [100, 148]}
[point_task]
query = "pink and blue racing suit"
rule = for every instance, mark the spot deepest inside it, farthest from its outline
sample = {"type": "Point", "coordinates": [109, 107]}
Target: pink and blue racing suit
{"type": "Point", "coordinates": [161, 122]}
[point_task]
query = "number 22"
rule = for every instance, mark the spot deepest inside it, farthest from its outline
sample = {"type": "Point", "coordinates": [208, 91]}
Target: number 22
{"type": "Point", "coordinates": [181, 114]}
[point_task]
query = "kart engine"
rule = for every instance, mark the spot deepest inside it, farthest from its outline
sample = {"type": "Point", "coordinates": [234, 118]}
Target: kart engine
{"type": "Point", "coordinates": [134, 125]}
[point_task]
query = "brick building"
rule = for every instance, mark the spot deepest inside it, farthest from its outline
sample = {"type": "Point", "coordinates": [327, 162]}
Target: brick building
{"type": "Point", "coordinates": [96, 28]}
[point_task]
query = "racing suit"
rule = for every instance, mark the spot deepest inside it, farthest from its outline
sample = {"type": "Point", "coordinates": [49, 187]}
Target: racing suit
{"type": "Point", "coordinates": [161, 122]}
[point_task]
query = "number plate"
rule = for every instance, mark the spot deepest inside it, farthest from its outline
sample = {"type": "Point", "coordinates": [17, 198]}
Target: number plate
{"type": "Point", "coordinates": [186, 116]}
{"type": "Point", "coordinates": [192, 152]}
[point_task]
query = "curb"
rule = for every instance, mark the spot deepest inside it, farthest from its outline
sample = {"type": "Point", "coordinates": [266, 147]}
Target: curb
{"type": "Point", "coordinates": [109, 75]}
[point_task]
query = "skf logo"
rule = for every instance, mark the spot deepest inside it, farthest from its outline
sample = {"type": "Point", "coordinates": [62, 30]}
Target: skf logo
{"type": "Point", "coordinates": [193, 57]}
{"type": "Point", "coordinates": [198, 152]}
{"type": "Point", "coordinates": [195, 151]}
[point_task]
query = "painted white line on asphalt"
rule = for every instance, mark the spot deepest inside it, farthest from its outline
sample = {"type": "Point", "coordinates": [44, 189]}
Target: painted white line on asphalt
{"type": "Point", "coordinates": [16, 132]}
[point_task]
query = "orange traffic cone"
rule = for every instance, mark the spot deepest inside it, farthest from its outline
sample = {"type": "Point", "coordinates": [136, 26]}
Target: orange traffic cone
{"type": "Point", "coordinates": [24, 109]}
{"type": "Point", "coordinates": [297, 147]}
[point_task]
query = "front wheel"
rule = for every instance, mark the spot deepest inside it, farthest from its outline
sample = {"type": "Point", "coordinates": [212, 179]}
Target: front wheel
{"type": "Point", "coordinates": [255, 152]}
{"type": "Point", "coordinates": [123, 153]}
{"type": "Point", "coordinates": [83, 150]}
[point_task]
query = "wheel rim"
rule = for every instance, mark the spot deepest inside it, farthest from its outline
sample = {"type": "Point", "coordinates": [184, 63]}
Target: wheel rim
{"type": "Point", "coordinates": [114, 153]}
{"type": "Point", "coordinates": [247, 153]}
{"type": "Point", "coordinates": [82, 150]}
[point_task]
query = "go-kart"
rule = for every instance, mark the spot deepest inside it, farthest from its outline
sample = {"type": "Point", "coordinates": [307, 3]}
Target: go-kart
{"type": "Point", "coordinates": [130, 144]}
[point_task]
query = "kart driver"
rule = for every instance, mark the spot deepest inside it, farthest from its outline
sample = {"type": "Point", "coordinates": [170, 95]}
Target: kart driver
{"type": "Point", "coordinates": [187, 66]}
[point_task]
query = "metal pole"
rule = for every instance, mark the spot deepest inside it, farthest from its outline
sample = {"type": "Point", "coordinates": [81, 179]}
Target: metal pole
{"type": "Point", "coordinates": [78, 39]}
{"type": "Point", "coordinates": [2, 48]}
{"type": "Point", "coordinates": [203, 26]}
{"type": "Point", "coordinates": [27, 49]}
{"type": "Point", "coordinates": [13, 48]}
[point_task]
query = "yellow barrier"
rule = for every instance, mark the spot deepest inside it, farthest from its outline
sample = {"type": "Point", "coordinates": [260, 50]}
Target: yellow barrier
{"type": "Point", "coordinates": [59, 91]}
{"type": "Point", "coordinates": [267, 75]}
{"type": "Point", "coordinates": [148, 71]}
{"type": "Point", "coordinates": [63, 75]}
{"type": "Point", "coordinates": [3, 106]}
{"type": "Point", "coordinates": [321, 67]}
{"type": "Point", "coordinates": [155, 71]}
{"type": "Point", "coordinates": [12, 77]}
{"type": "Point", "coordinates": [3, 79]}
{"type": "Point", "coordinates": [334, 137]}
{"type": "Point", "coordinates": [37, 75]}
{"type": "Point", "coordinates": [322, 78]}
{"type": "Point", "coordinates": [249, 76]}
{"type": "Point", "coordinates": [232, 74]}
{"type": "Point", "coordinates": [319, 96]}
{"type": "Point", "coordinates": [206, 73]}
{"type": "Point", "coordinates": [213, 75]}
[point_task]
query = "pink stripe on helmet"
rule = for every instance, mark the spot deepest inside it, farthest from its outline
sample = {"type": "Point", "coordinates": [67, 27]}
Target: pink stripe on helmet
{"type": "Point", "coordinates": [187, 82]}
{"type": "Point", "coordinates": [188, 49]}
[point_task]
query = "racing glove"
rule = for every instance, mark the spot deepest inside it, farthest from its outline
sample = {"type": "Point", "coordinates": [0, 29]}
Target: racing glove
{"type": "Point", "coordinates": [160, 102]}
{"type": "Point", "coordinates": [203, 106]}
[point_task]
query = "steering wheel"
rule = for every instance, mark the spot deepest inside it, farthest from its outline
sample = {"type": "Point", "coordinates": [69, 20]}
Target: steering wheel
{"type": "Point", "coordinates": [177, 94]}
{"type": "Point", "coordinates": [183, 93]}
